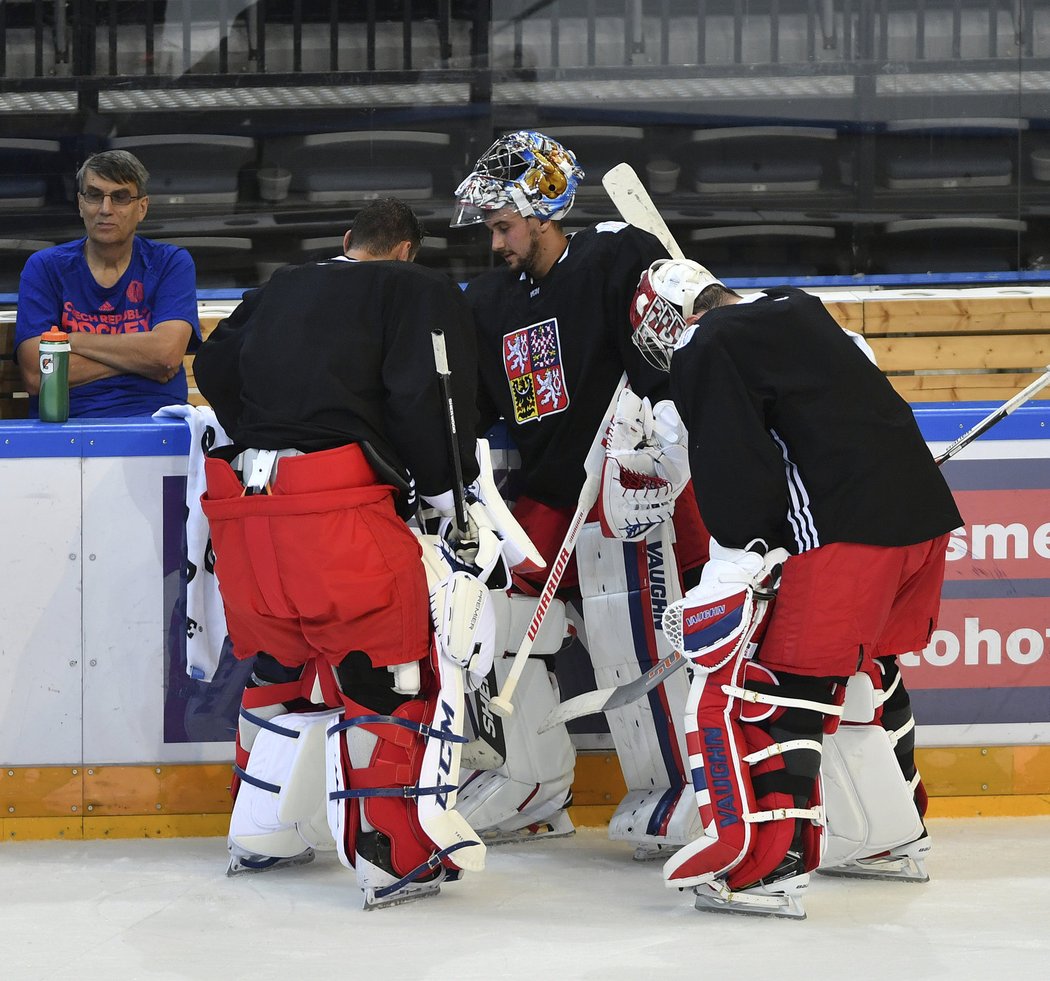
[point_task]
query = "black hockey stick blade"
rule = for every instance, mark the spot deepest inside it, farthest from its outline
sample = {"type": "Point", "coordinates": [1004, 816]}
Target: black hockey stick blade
{"type": "Point", "coordinates": [604, 699]}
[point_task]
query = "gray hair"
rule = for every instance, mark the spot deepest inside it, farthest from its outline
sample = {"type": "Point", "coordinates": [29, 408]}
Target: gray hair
{"type": "Point", "coordinates": [117, 166]}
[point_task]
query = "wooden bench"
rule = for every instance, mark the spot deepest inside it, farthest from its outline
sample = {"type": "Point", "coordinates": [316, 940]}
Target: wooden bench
{"type": "Point", "coordinates": [935, 345]}
{"type": "Point", "coordinates": [943, 345]}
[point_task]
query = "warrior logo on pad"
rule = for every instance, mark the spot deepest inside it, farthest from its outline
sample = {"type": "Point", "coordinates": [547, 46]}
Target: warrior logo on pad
{"type": "Point", "coordinates": [532, 360]}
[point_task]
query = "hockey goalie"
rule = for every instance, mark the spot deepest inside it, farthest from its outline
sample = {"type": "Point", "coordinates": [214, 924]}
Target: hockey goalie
{"type": "Point", "coordinates": [798, 445]}
{"type": "Point", "coordinates": [364, 635]}
{"type": "Point", "coordinates": [553, 333]}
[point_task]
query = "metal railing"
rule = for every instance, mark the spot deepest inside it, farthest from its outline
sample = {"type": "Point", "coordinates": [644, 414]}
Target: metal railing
{"type": "Point", "coordinates": [80, 39]}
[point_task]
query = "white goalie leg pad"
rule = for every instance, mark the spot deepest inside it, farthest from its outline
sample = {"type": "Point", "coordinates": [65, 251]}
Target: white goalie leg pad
{"type": "Point", "coordinates": [280, 808]}
{"type": "Point", "coordinates": [626, 587]}
{"type": "Point", "coordinates": [532, 787]}
{"type": "Point", "coordinates": [514, 616]}
{"type": "Point", "coordinates": [870, 806]}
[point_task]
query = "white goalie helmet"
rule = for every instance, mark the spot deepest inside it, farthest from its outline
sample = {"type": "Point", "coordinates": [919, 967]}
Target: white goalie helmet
{"type": "Point", "coordinates": [526, 172]}
{"type": "Point", "coordinates": [663, 300]}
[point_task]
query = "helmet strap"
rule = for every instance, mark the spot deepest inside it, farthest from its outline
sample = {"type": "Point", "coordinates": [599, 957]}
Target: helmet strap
{"type": "Point", "coordinates": [520, 201]}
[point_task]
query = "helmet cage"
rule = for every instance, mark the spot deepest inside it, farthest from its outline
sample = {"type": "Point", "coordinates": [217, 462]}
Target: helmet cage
{"type": "Point", "coordinates": [657, 324]}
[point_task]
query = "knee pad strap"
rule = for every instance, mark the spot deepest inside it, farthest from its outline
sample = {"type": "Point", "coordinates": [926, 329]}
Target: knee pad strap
{"type": "Point", "coordinates": [391, 780]}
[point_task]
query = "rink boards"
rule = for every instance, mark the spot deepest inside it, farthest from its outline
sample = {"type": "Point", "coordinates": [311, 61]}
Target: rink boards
{"type": "Point", "coordinates": [102, 732]}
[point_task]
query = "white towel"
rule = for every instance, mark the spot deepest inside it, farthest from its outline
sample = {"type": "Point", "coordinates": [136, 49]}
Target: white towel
{"type": "Point", "coordinates": [205, 617]}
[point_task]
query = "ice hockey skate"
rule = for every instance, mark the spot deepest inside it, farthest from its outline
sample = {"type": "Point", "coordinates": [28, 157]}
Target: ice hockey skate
{"type": "Point", "coordinates": [382, 887]}
{"type": "Point", "coordinates": [776, 895]}
{"type": "Point", "coordinates": [653, 852]}
{"type": "Point", "coordinates": [243, 861]}
{"type": "Point", "coordinates": [905, 863]}
{"type": "Point", "coordinates": [558, 825]}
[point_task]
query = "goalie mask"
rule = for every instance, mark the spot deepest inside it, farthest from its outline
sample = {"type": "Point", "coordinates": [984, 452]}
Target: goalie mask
{"type": "Point", "coordinates": [663, 300]}
{"type": "Point", "coordinates": [527, 172]}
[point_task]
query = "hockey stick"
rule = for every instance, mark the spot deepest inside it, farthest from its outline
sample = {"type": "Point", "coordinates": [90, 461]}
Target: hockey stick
{"type": "Point", "coordinates": [444, 382]}
{"type": "Point", "coordinates": [592, 466]}
{"type": "Point", "coordinates": [604, 699]}
{"type": "Point", "coordinates": [628, 193]}
{"type": "Point", "coordinates": [997, 416]}
{"type": "Point", "coordinates": [489, 750]}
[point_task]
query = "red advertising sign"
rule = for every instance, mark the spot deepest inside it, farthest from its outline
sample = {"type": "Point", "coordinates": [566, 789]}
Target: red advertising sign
{"type": "Point", "coordinates": [989, 659]}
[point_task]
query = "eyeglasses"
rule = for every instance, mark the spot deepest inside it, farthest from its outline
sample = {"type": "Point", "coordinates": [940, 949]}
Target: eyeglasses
{"type": "Point", "coordinates": [119, 198]}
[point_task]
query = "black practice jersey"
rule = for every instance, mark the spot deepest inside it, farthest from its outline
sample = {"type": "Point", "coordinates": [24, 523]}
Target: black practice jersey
{"type": "Point", "coordinates": [339, 352]}
{"type": "Point", "coordinates": [550, 352]}
{"type": "Point", "coordinates": [797, 438]}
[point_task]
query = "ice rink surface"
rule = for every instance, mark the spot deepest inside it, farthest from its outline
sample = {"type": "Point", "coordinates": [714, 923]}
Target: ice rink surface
{"type": "Point", "coordinates": [574, 909]}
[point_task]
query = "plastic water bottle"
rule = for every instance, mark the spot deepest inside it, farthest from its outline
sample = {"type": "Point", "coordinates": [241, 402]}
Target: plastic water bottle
{"type": "Point", "coordinates": [54, 376]}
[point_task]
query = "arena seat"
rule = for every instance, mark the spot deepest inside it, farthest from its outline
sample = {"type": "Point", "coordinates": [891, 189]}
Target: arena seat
{"type": "Point", "coordinates": [760, 159]}
{"type": "Point", "coordinates": [766, 251]}
{"type": "Point", "coordinates": [948, 245]}
{"type": "Point", "coordinates": [13, 255]}
{"type": "Point", "coordinates": [945, 154]}
{"type": "Point", "coordinates": [363, 165]}
{"type": "Point", "coordinates": [191, 168]}
{"type": "Point", "coordinates": [27, 168]}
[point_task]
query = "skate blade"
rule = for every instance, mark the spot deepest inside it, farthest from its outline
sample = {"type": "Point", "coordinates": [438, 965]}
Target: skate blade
{"type": "Point", "coordinates": [717, 897]}
{"type": "Point", "coordinates": [650, 853]}
{"type": "Point", "coordinates": [559, 827]}
{"type": "Point", "coordinates": [409, 894]}
{"type": "Point", "coordinates": [901, 869]}
{"type": "Point", "coordinates": [245, 865]}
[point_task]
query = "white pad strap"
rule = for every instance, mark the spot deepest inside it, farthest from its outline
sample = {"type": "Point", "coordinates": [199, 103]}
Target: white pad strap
{"type": "Point", "coordinates": [762, 698]}
{"type": "Point", "coordinates": [778, 749]}
{"type": "Point", "coordinates": [782, 813]}
{"type": "Point", "coordinates": [897, 734]}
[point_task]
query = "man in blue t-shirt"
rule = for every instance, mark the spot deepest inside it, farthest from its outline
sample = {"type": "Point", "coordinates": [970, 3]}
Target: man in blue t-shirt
{"type": "Point", "coordinates": [128, 304]}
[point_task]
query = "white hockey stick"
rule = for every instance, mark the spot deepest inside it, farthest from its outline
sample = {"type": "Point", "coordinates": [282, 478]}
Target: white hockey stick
{"type": "Point", "coordinates": [632, 200]}
{"type": "Point", "coordinates": [592, 466]}
{"type": "Point", "coordinates": [997, 416]}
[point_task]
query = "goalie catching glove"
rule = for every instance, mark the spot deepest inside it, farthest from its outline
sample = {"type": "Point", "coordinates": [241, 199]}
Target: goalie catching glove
{"type": "Point", "coordinates": [646, 466]}
{"type": "Point", "coordinates": [716, 617]}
